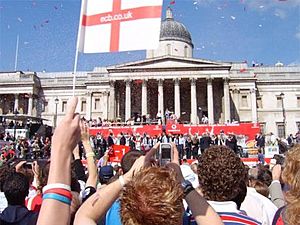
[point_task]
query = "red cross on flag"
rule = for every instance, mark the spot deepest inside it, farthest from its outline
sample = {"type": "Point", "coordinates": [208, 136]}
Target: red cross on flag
{"type": "Point", "coordinates": [119, 25]}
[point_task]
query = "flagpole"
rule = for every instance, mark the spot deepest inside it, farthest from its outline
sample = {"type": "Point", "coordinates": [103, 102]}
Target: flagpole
{"type": "Point", "coordinates": [77, 46]}
{"type": "Point", "coordinates": [17, 52]}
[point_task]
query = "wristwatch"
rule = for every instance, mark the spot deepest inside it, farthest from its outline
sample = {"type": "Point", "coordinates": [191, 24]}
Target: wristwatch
{"type": "Point", "coordinates": [187, 187]}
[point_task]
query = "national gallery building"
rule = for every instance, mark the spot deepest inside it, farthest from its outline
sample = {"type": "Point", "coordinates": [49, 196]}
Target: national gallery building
{"type": "Point", "coordinates": [169, 78]}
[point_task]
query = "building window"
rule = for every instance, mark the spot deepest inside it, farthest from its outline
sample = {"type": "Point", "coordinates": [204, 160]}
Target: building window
{"type": "Point", "coordinates": [279, 102]}
{"type": "Point", "coordinates": [298, 125]}
{"type": "Point", "coordinates": [64, 106]}
{"type": "Point", "coordinates": [298, 102]}
{"type": "Point", "coordinates": [83, 106]}
{"type": "Point", "coordinates": [45, 106]}
{"type": "Point", "coordinates": [168, 49]}
{"type": "Point", "coordinates": [262, 127]}
{"type": "Point", "coordinates": [280, 129]}
{"type": "Point", "coordinates": [97, 104]}
{"type": "Point", "coordinates": [244, 101]}
{"type": "Point", "coordinates": [259, 102]}
{"type": "Point", "coordinates": [185, 51]}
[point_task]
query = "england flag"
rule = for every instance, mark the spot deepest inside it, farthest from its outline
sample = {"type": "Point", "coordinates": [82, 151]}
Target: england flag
{"type": "Point", "coordinates": [119, 25]}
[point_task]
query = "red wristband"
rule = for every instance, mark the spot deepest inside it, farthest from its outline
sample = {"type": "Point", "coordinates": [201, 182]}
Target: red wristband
{"type": "Point", "coordinates": [60, 191]}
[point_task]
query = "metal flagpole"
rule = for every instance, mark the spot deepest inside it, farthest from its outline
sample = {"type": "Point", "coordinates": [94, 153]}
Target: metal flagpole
{"type": "Point", "coordinates": [17, 52]}
{"type": "Point", "coordinates": [77, 46]}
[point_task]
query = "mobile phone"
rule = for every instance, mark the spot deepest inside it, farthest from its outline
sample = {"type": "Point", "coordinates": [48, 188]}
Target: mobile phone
{"type": "Point", "coordinates": [165, 153]}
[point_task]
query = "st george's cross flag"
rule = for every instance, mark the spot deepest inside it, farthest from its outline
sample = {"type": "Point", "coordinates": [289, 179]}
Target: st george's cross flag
{"type": "Point", "coordinates": [119, 25]}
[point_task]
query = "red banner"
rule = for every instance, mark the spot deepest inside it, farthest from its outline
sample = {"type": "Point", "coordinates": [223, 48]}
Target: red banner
{"type": "Point", "coordinates": [118, 152]}
{"type": "Point", "coordinates": [247, 129]}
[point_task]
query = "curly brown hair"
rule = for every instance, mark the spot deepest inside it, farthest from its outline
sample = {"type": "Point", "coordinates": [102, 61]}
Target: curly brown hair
{"type": "Point", "coordinates": [152, 197]}
{"type": "Point", "coordinates": [222, 175]}
{"type": "Point", "coordinates": [291, 176]}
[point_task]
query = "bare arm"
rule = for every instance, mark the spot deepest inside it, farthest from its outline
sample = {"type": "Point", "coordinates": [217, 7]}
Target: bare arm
{"type": "Point", "coordinates": [64, 142]}
{"type": "Point", "coordinates": [92, 168]}
{"type": "Point", "coordinates": [203, 213]}
{"type": "Point", "coordinates": [96, 206]}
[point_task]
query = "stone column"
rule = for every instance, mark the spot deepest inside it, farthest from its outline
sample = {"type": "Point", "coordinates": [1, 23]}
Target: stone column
{"type": "Point", "coordinates": [236, 99]}
{"type": "Point", "coordinates": [111, 101]}
{"type": "Point", "coordinates": [193, 101]}
{"type": "Point", "coordinates": [161, 96]}
{"type": "Point", "coordinates": [253, 105]}
{"type": "Point", "coordinates": [144, 98]}
{"type": "Point", "coordinates": [88, 114]}
{"type": "Point", "coordinates": [105, 105]}
{"type": "Point", "coordinates": [30, 102]}
{"type": "Point", "coordinates": [16, 105]}
{"type": "Point", "coordinates": [210, 101]}
{"type": "Point", "coordinates": [177, 97]}
{"type": "Point", "coordinates": [227, 116]}
{"type": "Point", "coordinates": [128, 100]}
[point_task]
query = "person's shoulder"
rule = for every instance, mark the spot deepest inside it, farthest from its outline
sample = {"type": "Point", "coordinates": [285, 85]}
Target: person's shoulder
{"type": "Point", "coordinates": [237, 219]}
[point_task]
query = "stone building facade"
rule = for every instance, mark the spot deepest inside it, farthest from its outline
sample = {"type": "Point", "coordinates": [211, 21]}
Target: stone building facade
{"type": "Point", "coordinates": [169, 78]}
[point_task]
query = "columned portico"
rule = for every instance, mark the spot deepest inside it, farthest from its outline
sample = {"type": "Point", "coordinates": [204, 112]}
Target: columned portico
{"type": "Point", "coordinates": [111, 104]}
{"type": "Point", "coordinates": [253, 105]}
{"type": "Point", "coordinates": [193, 101]}
{"type": "Point", "coordinates": [144, 98]}
{"type": "Point", "coordinates": [161, 96]}
{"type": "Point", "coordinates": [128, 100]}
{"type": "Point", "coordinates": [30, 103]}
{"type": "Point", "coordinates": [210, 101]}
{"type": "Point", "coordinates": [177, 97]}
{"type": "Point", "coordinates": [227, 117]}
{"type": "Point", "coordinates": [16, 105]}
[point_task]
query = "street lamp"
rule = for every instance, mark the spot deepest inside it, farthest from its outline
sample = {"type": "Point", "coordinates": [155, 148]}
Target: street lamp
{"type": "Point", "coordinates": [283, 113]}
{"type": "Point", "coordinates": [56, 101]}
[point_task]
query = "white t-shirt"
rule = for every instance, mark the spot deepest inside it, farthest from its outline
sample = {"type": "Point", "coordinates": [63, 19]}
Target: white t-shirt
{"type": "Point", "coordinates": [3, 201]}
{"type": "Point", "coordinates": [259, 207]}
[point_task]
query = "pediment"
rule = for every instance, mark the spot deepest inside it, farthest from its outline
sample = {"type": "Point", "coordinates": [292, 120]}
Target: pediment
{"type": "Point", "coordinates": [170, 62]}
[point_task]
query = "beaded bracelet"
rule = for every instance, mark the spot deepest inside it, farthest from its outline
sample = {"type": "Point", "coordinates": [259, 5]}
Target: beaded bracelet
{"type": "Point", "coordinates": [90, 154]}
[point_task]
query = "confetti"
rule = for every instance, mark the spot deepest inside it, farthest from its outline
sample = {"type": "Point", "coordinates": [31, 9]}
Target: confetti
{"type": "Point", "coordinates": [261, 7]}
{"type": "Point", "coordinates": [195, 3]}
{"type": "Point", "coordinates": [26, 42]}
{"type": "Point", "coordinates": [233, 17]}
{"type": "Point", "coordinates": [19, 19]}
{"type": "Point", "coordinates": [260, 25]}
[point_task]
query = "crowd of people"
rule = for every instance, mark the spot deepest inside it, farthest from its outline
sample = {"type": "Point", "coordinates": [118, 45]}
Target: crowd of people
{"type": "Point", "coordinates": [217, 188]}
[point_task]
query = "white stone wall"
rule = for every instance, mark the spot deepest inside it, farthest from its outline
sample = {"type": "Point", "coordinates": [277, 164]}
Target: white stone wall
{"type": "Point", "coordinates": [173, 48]}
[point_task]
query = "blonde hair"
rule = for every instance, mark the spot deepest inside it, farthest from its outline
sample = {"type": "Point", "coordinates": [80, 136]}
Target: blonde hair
{"type": "Point", "coordinates": [291, 176]}
{"type": "Point", "coordinates": [153, 197]}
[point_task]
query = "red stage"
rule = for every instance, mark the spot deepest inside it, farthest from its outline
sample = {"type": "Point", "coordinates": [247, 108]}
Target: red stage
{"type": "Point", "coordinates": [247, 129]}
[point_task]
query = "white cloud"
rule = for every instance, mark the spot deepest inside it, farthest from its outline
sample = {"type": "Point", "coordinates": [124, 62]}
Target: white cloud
{"type": "Point", "coordinates": [280, 13]}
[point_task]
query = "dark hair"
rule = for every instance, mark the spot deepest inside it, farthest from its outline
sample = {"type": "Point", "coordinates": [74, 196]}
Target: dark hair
{"type": "Point", "coordinates": [5, 171]}
{"type": "Point", "coordinates": [222, 175]}
{"type": "Point", "coordinates": [16, 188]}
{"type": "Point", "coordinates": [265, 176]}
{"type": "Point", "coordinates": [129, 159]}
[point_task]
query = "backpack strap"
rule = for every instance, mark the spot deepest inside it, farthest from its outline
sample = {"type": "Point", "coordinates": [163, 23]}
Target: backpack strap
{"type": "Point", "coordinates": [277, 220]}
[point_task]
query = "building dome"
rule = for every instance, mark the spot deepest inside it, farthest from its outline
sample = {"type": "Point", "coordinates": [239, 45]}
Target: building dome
{"type": "Point", "coordinates": [172, 30]}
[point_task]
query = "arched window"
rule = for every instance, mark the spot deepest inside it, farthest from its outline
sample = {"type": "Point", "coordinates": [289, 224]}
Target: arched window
{"type": "Point", "coordinates": [185, 51]}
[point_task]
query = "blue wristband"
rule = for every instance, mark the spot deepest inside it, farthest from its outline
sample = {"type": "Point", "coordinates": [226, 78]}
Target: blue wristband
{"type": "Point", "coordinates": [57, 197]}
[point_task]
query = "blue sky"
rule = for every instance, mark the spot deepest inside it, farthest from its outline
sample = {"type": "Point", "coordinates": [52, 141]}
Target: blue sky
{"type": "Point", "coordinates": [265, 31]}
